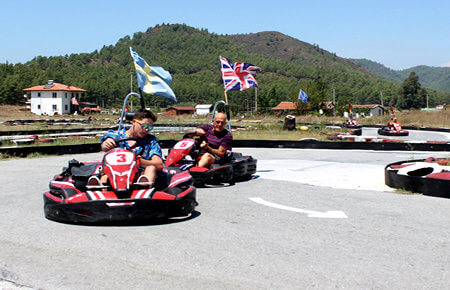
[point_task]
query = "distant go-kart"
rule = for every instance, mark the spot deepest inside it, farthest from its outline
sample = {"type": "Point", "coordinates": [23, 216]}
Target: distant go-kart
{"type": "Point", "coordinates": [395, 131]}
{"type": "Point", "coordinates": [71, 200]}
{"type": "Point", "coordinates": [233, 167]}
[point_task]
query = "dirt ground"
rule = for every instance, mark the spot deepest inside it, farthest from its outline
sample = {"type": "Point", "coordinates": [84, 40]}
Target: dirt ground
{"type": "Point", "coordinates": [12, 112]}
{"type": "Point", "coordinates": [407, 118]}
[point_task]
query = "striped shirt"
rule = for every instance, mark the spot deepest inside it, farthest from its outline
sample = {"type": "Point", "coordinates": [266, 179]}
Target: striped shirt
{"type": "Point", "coordinates": [215, 140]}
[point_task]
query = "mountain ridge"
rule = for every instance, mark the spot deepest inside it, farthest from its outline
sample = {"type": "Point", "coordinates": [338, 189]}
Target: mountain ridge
{"type": "Point", "coordinates": [437, 78]}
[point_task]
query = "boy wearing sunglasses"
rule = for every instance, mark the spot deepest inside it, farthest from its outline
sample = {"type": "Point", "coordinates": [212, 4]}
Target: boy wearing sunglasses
{"type": "Point", "coordinates": [146, 146]}
{"type": "Point", "coordinates": [217, 140]}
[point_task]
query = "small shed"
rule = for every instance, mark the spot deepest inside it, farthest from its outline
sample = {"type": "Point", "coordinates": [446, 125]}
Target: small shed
{"type": "Point", "coordinates": [374, 109]}
{"type": "Point", "coordinates": [203, 109]}
{"type": "Point", "coordinates": [175, 111]}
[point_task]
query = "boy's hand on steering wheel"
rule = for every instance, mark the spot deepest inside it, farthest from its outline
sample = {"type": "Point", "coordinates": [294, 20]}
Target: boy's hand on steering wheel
{"type": "Point", "coordinates": [108, 144]}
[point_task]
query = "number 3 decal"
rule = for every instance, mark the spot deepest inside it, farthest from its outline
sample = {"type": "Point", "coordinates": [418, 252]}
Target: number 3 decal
{"type": "Point", "coordinates": [121, 158]}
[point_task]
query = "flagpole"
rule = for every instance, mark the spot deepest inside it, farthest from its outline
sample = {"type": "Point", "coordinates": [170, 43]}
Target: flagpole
{"type": "Point", "coordinates": [226, 97]}
{"type": "Point", "coordinates": [142, 99]}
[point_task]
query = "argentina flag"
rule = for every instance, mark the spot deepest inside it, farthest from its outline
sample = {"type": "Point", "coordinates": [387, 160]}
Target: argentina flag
{"type": "Point", "coordinates": [302, 96]}
{"type": "Point", "coordinates": [152, 79]}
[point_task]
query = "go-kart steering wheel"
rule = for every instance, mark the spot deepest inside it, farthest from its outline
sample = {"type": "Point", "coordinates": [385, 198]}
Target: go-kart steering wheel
{"type": "Point", "coordinates": [118, 141]}
{"type": "Point", "coordinates": [197, 141]}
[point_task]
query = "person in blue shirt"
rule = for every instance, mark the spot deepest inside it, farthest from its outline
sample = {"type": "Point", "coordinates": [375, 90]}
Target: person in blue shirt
{"type": "Point", "coordinates": [146, 146]}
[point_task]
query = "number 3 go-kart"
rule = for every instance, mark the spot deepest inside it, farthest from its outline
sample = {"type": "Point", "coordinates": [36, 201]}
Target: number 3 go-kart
{"type": "Point", "coordinates": [71, 200]}
{"type": "Point", "coordinates": [233, 167]}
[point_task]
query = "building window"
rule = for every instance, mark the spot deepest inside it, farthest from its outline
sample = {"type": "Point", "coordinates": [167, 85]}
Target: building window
{"type": "Point", "coordinates": [54, 95]}
{"type": "Point", "coordinates": [54, 107]}
{"type": "Point", "coordinates": [65, 108]}
{"type": "Point", "coordinates": [38, 107]}
{"type": "Point", "coordinates": [39, 95]}
{"type": "Point", "coordinates": [65, 95]}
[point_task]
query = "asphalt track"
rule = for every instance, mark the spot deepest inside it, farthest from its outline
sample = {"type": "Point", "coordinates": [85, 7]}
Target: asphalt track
{"type": "Point", "coordinates": [309, 219]}
{"type": "Point", "coordinates": [414, 135]}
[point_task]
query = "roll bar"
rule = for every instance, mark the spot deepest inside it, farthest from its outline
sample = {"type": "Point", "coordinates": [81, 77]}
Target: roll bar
{"type": "Point", "coordinates": [129, 116]}
{"type": "Point", "coordinates": [227, 112]}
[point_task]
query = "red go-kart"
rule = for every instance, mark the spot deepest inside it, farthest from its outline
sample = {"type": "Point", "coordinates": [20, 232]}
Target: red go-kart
{"type": "Point", "coordinates": [393, 131]}
{"type": "Point", "coordinates": [71, 199]}
{"type": "Point", "coordinates": [233, 167]}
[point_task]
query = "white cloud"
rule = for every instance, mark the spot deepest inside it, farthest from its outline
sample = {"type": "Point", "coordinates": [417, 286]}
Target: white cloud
{"type": "Point", "coordinates": [447, 64]}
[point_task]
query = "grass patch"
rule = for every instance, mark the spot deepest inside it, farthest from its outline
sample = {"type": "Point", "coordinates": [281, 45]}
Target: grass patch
{"type": "Point", "coordinates": [406, 192]}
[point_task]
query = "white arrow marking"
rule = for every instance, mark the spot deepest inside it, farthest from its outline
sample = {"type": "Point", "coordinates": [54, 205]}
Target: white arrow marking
{"type": "Point", "coordinates": [315, 214]}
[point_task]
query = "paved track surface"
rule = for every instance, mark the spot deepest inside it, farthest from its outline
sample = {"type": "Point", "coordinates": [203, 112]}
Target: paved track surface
{"type": "Point", "coordinates": [414, 135]}
{"type": "Point", "coordinates": [385, 240]}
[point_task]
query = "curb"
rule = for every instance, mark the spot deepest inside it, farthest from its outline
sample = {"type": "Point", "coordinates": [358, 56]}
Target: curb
{"type": "Point", "coordinates": [427, 186]}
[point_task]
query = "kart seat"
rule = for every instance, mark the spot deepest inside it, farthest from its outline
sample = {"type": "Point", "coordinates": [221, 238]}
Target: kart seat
{"type": "Point", "coordinates": [84, 171]}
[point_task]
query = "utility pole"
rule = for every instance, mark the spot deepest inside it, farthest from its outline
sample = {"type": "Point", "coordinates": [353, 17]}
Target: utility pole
{"type": "Point", "coordinates": [334, 102]}
{"type": "Point", "coordinates": [256, 100]}
{"type": "Point", "coordinates": [131, 82]}
{"type": "Point", "coordinates": [381, 94]}
{"type": "Point", "coordinates": [334, 96]}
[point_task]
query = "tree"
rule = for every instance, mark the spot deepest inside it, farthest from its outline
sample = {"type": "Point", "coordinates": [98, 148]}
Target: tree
{"type": "Point", "coordinates": [412, 95]}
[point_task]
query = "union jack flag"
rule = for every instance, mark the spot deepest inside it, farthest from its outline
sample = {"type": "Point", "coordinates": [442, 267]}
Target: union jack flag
{"type": "Point", "coordinates": [238, 76]}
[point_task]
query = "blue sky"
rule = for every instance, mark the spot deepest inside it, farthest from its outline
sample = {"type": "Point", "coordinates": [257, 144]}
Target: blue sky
{"type": "Point", "coordinates": [398, 34]}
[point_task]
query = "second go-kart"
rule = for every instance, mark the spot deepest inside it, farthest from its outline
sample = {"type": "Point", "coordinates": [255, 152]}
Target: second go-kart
{"type": "Point", "coordinates": [72, 200]}
{"type": "Point", "coordinates": [395, 131]}
{"type": "Point", "coordinates": [233, 167]}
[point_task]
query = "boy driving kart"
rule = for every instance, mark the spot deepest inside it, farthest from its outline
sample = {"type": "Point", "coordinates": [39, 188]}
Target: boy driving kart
{"type": "Point", "coordinates": [145, 146]}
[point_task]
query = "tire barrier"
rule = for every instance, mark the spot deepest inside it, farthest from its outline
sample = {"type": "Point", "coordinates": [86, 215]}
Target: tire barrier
{"type": "Point", "coordinates": [51, 131]}
{"type": "Point", "coordinates": [422, 176]}
{"type": "Point", "coordinates": [437, 129]}
{"type": "Point", "coordinates": [302, 144]}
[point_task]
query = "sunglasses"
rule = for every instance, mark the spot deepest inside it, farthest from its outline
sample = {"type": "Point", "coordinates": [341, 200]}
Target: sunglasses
{"type": "Point", "coordinates": [144, 126]}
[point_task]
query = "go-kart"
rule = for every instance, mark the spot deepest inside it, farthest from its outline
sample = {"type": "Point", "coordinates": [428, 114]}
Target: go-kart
{"type": "Point", "coordinates": [229, 169]}
{"type": "Point", "coordinates": [72, 200]}
{"type": "Point", "coordinates": [393, 131]}
{"type": "Point", "coordinates": [233, 167]}
{"type": "Point", "coordinates": [352, 124]}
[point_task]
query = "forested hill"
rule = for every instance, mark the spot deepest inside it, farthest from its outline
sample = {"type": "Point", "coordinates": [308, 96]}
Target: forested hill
{"type": "Point", "coordinates": [437, 78]}
{"type": "Point", "coordinates": [280, 46]}
{"type": "Point", "coordinates": [192, 57]}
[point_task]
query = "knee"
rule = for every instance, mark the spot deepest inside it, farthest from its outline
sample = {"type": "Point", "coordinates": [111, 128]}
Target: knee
{"type": "Point", "coordinates": [209, 157]}
{"type": "Point", "coordinates": [150, 170]}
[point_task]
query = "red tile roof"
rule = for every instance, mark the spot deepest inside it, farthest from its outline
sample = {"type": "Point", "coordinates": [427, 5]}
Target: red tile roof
{"type": "Point", "coordinates": [286, 106]}
{"type": "Point", "coordinates": [182, 108]}
{"type": "Point", "coordinates": [55, 87]}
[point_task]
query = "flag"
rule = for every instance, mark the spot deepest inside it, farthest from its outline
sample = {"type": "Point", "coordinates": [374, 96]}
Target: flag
{"type": "Point", "coordinates": [302, 96]}
{"type": "Point", "coordinates": [152, 79]}
{"type": "Point", "coordinates": [238, 76]}
{"type": "Point", "coordinates": [350, 109]}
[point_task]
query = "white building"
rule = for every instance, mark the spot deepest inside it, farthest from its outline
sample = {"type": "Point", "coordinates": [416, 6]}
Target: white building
{"type": "Point", "coordinates": [53, 98]}
{"type": "Point", "coordinates": [203, 110]}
